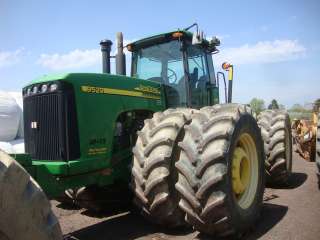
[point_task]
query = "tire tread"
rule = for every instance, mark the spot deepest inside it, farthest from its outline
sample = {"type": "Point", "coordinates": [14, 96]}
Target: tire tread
{"type": "Point", "coordinates": [20, 194]}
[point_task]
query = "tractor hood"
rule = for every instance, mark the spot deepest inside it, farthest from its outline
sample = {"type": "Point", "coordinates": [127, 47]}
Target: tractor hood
{"type": "Point", "coordinates": [96, 83]}
{"type": "Point", "coordinates": [85, 106]}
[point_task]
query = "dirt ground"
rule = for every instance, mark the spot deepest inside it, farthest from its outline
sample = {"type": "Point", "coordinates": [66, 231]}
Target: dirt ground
{"type": "Point", "coordinates": [291, 213]}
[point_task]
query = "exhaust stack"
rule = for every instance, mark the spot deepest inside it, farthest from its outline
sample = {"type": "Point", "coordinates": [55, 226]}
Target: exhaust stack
{"type": "Point", "coordinates": [106, 49]}
{"type": "Point", "coordinates": [120, 57]}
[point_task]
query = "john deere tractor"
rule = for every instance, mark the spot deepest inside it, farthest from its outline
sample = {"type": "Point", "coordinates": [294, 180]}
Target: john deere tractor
{"type": "Point", "coordinates": [187, 158]}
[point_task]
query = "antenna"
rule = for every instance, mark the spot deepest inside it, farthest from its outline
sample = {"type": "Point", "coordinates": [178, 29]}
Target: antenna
{"type": "Point", "coordinates": [191, 26]}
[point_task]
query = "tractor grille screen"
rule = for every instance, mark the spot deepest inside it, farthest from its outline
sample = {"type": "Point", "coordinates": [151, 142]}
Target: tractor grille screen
{"type": "Point", "coordinates": [50, 125]}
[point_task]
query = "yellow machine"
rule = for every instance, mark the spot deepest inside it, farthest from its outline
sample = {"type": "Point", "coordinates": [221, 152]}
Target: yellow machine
{"type": "Point", "coordinates": [304, 134]}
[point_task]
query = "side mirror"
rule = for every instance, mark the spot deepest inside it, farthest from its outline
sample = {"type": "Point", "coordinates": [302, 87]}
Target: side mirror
{"type": "Point", "coordinates": [219, 76]}
{"type": "Point", "coordinates": [229, 68]}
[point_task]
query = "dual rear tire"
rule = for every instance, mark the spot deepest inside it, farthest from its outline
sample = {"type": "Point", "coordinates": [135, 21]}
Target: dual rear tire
{"type": "Point", "coordinates": [153, 173]}
{"type": "Point", "coordinates": [276, 133]}
{"type": "Point", "coordinates": [221, 170]}
{"type": "Point", "coordinates": [212, 175]}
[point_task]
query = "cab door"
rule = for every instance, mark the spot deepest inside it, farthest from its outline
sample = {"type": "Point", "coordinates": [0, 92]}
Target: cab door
{"type": "Point", "coordinates": [213, 86]}
{"type": "Point", "coordinates": [199, 78]}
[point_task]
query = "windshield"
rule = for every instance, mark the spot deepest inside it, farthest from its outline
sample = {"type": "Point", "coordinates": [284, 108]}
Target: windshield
{"type": "Point", "coordinates": [163, 63]}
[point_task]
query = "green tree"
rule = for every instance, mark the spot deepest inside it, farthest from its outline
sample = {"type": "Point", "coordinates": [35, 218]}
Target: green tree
{"type": "Point", "coordinates": [273, 105]}
{"type": "Point", "coordinates": [297, 108]}
{"type": "Point", "coordinates": [257, 105]}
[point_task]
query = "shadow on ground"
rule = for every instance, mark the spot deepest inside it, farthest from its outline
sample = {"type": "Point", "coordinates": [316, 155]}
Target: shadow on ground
{"type": "Point", "coordinates": [68, 206]}
{"type": "Point", "coordinates": [296, 180]}
{"type": "Point", "coordinates": [124, 226]}
{"type": "Point", "coordinates": [128, 225]}
{"type": "Point", "coordinates": [125, 223]}
{"type": "Point", "coordinates": [270, 216]}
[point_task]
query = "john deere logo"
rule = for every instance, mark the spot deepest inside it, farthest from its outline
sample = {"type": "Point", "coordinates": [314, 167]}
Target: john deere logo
{"type": "Point", "coordinates": [148, 89]}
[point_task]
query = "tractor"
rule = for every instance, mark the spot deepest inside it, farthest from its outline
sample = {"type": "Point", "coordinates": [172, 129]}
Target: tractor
{"type": "Point", "coordinates": [188, 159]}
{"type": "Point", "coordinates": [306, 136]}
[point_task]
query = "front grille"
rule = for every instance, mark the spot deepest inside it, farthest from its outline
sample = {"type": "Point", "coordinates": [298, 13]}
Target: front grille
{"type": "Point", "coordinates": [50, 125]}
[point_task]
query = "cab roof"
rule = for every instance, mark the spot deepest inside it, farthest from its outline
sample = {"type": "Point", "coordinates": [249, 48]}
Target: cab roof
{"type": "Point", "coordinates": [160, 38]}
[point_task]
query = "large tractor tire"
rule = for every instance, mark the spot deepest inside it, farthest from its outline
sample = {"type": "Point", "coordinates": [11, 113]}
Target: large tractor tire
{"type": "Point", "coordinates": [276, 133]}
{"type": "Point", "coordinates": [221, 170]}
{"type": "Point", "coordinates": [318, 150]}
{"type": "Point", "coordinates": [25, 212]}
{"type": "Point", "coordinates": [153, 171]}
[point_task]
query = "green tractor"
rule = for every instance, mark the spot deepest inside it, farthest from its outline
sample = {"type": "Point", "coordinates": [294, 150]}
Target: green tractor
{"type": "Point", "coordinates": [188, 159]}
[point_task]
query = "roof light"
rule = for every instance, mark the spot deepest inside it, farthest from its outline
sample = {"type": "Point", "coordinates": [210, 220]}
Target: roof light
{"type": "Point", "coordinates": [177, 34]}
{"type": "Point", "coordinates": [129, 47]}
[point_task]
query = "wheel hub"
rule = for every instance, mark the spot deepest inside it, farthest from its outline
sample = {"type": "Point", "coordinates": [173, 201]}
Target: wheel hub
{"type": "Point", "coordinates": [240, 171]}
{"type": "Point", "coordinates": [245, 171]}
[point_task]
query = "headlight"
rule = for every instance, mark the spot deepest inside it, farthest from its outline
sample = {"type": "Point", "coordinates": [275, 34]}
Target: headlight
{"type": "Point", "coordinates": [53, 87]}
{"type": "Point", "coordinates": [44, 88]}
{"type": "Point", "coordinates": [28, 91]}
{"type": "Point", "coordinates": [35, 89]}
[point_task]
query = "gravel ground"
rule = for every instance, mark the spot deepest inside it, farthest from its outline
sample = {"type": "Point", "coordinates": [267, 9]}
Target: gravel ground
{"type": "Point", "coordinates": [291, 213]}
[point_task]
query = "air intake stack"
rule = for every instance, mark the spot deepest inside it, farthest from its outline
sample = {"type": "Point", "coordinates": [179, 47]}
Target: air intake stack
{"type": "Point", "coordinates": [106, 49]}
{"type": "Point", "coordinates": [120, 57]}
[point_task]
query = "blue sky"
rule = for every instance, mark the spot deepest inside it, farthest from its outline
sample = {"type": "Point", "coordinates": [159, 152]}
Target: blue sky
{"type": "Point", "coordinates": [274, 45]}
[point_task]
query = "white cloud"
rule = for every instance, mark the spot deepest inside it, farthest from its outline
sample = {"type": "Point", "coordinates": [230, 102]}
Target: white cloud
{"type": "Point", "coordinates": [263, 52]}
{"type": "Point", "coordinates": [74, 59]}
{"type": "Point", "coordinates": [8, 58]}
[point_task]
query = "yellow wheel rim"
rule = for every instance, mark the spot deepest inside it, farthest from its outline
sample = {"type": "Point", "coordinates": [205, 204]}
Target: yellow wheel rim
{"type": "Point", "coordinates": [245, 171]}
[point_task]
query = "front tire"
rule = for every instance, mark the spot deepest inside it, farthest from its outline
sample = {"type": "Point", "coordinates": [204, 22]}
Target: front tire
{"type": "Point", "coordinates": [25, 212]}
{"type": "Point", "coordinates": [221, 170]}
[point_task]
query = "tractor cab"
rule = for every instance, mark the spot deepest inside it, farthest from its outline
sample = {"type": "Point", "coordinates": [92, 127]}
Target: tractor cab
{"type": "Point", "coordinates": [182, 63]}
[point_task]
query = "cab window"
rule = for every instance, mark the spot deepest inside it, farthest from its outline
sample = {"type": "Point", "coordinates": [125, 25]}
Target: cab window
{"type": "Point", "coordinates": [163, 63]}
{"type": "Point", "coordinates": [198, 75]}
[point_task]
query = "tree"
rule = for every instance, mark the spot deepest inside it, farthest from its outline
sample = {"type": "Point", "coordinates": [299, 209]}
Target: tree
{"type": "Point", "coordinates": [297, 108]}
{"type": "Point", "coordinates": [273, 105]}
{"type": "Point", "coordinates": [257, 105]}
